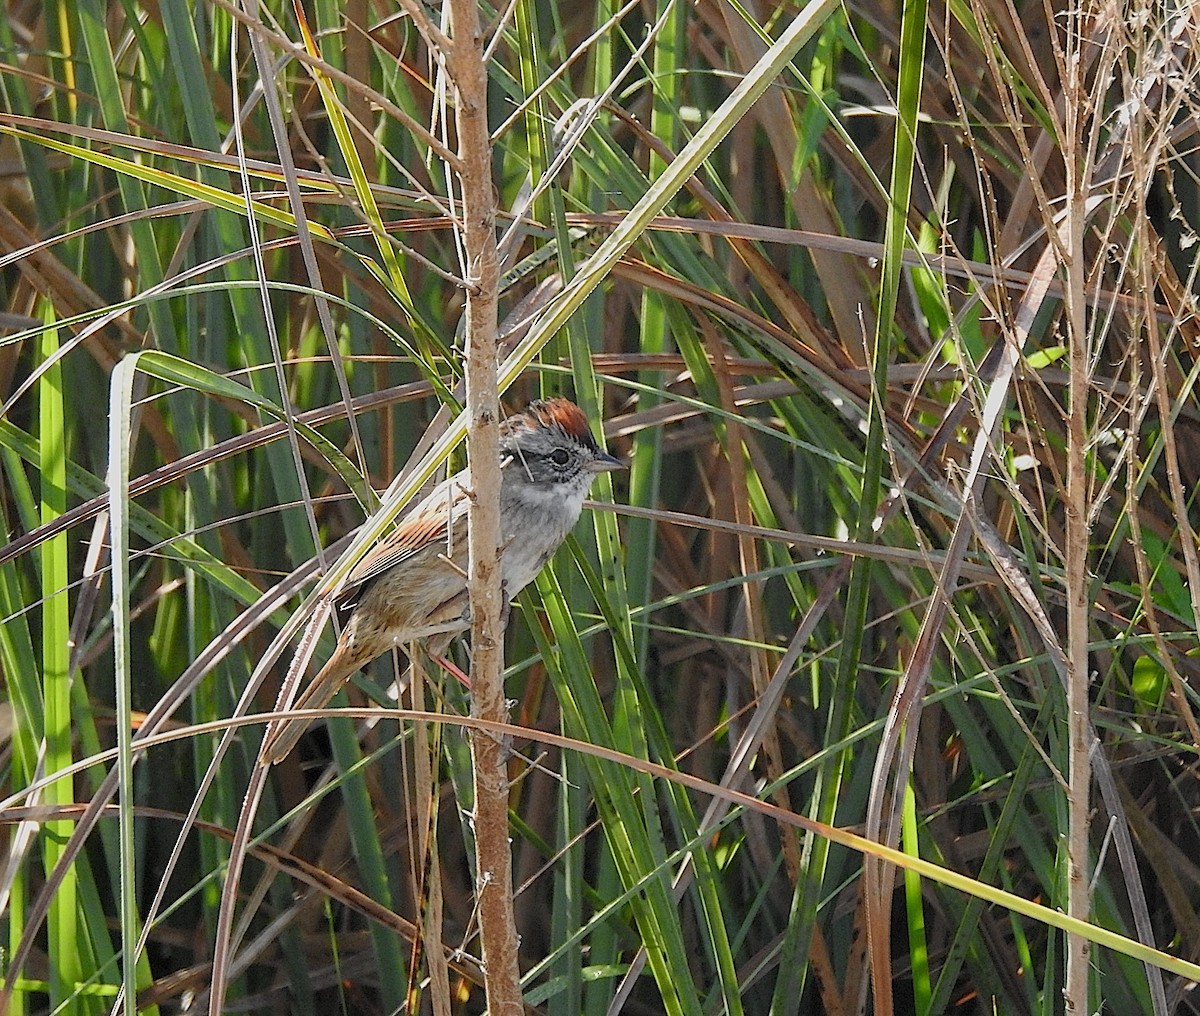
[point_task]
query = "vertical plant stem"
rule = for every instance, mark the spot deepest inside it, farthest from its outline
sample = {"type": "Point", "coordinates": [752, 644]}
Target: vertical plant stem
{"type": "Point", "coordinates": [1079, 776]}
{"type": "Point", "coordinates": [64, 949]}
{"type": "Point", "coordinates": [493, 858]}
{"type": "Point", "coordinates": [119, 457]}
{"type": "Point", "coordinates": [424, 756]}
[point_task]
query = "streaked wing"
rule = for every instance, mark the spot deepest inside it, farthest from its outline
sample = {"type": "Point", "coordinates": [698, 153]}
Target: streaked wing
{"type": "Point", "coordinates": [426, 526]}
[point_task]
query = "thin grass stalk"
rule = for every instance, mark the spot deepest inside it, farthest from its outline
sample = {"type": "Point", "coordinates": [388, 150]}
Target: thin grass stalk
{"type": "Point", "coordinates": [918, 946]}
{"type": "Point", "coordinates": [64, 927]}
{"type": "Point", "coordinates": [426, 742]}
{"type": "Point", "coordinates": [878, 882]}
{"type": "Point", "coordinates": [21, 663]}
{"type": "Point", "coordinates": [1145, 146]}
{"type": "Point", "coordinates": [119, 417]}
{"type": "Point", "coordinates": [1077, 156]}
{"type": "Point", "coordinates": [646, 463]}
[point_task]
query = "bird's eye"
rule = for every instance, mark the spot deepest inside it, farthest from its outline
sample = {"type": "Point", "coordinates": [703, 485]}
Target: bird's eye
{"type": "Point", "coordinates": [560, 456]}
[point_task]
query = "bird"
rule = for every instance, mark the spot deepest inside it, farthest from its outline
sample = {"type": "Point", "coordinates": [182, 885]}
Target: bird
{"type": "Point", "coordinates": [411, 588]}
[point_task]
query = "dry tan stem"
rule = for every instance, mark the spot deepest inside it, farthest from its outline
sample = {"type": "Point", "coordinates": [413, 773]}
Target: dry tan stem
{"type": "Point", "coordinates": [493, 857]}
{"type": "Point", "coordinates": [1079, 770]}
{"type": "Point", "coordinates": [428, 887]}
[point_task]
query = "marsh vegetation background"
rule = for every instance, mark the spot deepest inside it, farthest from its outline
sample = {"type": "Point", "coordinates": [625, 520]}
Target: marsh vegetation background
{"type": "Point", "coordinates": [905, 375]}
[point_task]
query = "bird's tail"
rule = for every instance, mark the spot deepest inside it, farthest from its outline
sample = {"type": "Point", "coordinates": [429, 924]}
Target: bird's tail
{"type": "Point", "coordinates": [282, 735]}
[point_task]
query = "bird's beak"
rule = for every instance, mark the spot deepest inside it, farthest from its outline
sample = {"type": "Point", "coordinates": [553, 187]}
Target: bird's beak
{"type": "Point", "coordinates": [605, 463]}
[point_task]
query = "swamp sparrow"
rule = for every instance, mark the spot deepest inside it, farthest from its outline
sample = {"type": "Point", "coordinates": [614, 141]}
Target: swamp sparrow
{"type": "Point", "coordinates": [412, 587]}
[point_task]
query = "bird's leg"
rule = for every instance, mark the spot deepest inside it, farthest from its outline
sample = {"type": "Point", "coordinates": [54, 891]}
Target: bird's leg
{"type": "Point", "coordinates": [451, 667]}
{"type": "Point", "coordinates": [447, 664]}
